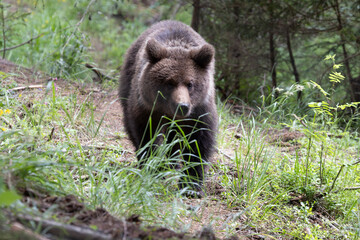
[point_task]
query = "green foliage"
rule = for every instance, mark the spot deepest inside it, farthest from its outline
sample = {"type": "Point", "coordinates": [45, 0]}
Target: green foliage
{"type": "Point", "coordinates": [323, 109]}
{"type": "Point", "coordinates": [55, 44]}
{"type": "Point", "coordinates": [7, 198]}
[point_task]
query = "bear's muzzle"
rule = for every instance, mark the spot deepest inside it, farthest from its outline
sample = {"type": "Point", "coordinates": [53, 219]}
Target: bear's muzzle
{"type": "Point", "coordinates": [181, 100]}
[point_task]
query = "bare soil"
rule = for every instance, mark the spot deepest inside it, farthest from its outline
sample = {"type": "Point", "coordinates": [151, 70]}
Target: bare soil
{"type": "Point", "coordinates": [70, 209]}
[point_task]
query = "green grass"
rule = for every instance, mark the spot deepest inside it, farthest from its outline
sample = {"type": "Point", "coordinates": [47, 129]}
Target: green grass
{"type": "Point", "coordinates": [258, 180]}
{"type": "Point", "coordinates": [64, 165]}
{"type": "Point", "coordinates": [270, 180]}
{"type": "Point", "coordinates": [60, 143]}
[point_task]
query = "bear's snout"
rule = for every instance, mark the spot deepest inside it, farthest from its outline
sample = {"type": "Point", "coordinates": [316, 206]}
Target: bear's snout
{"type": "Point", "coordinates": [181, 101]}
{"type": "Point", "coordinates": [184, 109]}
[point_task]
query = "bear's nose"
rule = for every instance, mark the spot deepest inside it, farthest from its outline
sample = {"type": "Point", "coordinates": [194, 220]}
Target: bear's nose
{"type": "Point", "coordinates": [184, 108]}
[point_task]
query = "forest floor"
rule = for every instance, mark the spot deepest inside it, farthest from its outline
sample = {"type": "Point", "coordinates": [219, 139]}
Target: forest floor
{"type": "Point", "coordinates": [99, 223]}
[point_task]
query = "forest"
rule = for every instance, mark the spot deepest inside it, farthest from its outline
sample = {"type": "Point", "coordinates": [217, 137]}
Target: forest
{"type": "Point", "coordinates": [287, 157]}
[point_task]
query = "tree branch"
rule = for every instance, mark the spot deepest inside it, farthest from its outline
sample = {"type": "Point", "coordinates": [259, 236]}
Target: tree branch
{"type": "Point", "coordinates": [77, 26]}
{"type": "Point", "coordinates": [26, 87]}
{"type": "Point", "coordinates": [21, 44]}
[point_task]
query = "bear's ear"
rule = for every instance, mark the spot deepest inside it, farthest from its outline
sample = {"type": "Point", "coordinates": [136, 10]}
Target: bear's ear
{"type": "Point", "coordinates": [155, 51]}
{"type": "Point", "coordinates": [203, 56]}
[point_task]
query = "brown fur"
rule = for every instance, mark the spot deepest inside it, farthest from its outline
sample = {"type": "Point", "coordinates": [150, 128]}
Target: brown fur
{"type": "Point", "coordinates": [168, 71]}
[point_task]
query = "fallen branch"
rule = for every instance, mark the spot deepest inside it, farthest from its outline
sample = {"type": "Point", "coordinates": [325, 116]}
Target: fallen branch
{"type": "Point", "coordinates": [17, 227]}
{"type": "Point", "coordinates": [26, 87]}
{"type": "Point", "coordinates": [65, 230]}
{"type": "Point", "coordinates": [21, 44]}
{"type": "Point", "coordinates": [99, 74]}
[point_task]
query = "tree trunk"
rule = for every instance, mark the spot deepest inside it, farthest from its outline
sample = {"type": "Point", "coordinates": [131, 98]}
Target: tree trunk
{"type": "Point", "coordinates": [195, 21]}
{"type": "Point", "coordinates": [354, 82]}
{"type": "Point", "coordinates": [3, 30]}
{"type": "Point", "coordinates": [272, 61]}
{"type": "Point", "coordinates": [292, 61]}
{"type": "Point", "coordinates": [272, 48]}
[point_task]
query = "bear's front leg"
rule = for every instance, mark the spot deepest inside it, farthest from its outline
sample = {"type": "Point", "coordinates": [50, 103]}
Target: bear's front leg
{"type": "Point", "coordinates": [193, 179]}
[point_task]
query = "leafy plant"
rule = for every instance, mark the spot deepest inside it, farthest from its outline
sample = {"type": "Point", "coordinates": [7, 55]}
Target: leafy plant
{"type": "Point", "coordinates": [315, 175]}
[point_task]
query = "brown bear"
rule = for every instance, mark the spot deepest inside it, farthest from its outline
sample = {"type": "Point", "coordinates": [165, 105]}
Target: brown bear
{"type": "Point", "coordinates": [168, 73]}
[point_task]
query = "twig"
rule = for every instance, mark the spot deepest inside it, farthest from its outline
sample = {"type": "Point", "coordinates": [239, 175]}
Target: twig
{"type": "Point", "coordinates": [347, 189]}
{"type": "Point", "coordinates": [77, 26]}
{"type": "Point", "coordinates": [338, 174]}
{"type": "Point", "coordinates": [307, 161]}
{"type": "Point", "coordinates": [99, 74]}
{"type": "Point", "coordinates": [88, 147]}
{"type": "Point", "coordinates": [17, 227]}
{"type": "Point", "coordinates": [51, 134]}
{"type": "Point", "coordinates": [6, 122]}
{"type": "Point", "coordinates": [263, 86]}
{"type": "Point", "coordinates": [26, 87]}
{"type": "Point", "coordinates": [19, 45]}
{"type": "Point", "coordinates": [355, 163]}
{"type": "Point", "coordinates": [322, 162]}
{"type": "Point", "coordinates": [351, 188]}
{"type": "Point", "coordinates": [300, 120]}
{"type": "Point", "coordinates": [218, 150]}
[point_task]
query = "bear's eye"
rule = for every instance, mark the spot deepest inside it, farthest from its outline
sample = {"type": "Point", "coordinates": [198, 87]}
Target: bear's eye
{"type": "Point", "coordinates": [170, 83]}
{"type": "Point", "coordinates": [190, 85]}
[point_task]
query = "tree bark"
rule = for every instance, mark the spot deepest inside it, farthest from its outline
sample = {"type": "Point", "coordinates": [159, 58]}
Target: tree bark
{"type": "Point", "coordinates": [292, 61]}
{"type": "Point", "coordinates": [195, 21]}
{"type": "Point", "coordinates": [272, 60]}
{"type": "Point", "coordinates": [354, 82]}
{"type": "Point", "coordinates": [272, 49]}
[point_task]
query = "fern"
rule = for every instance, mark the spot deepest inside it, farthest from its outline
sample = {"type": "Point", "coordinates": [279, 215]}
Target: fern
{"type": "Point", "coordinates": [316, 85]}
{"type": "Point", "coordinates": [334, 77]}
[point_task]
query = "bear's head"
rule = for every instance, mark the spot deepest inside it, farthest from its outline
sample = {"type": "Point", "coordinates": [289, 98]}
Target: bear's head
{"type": "Point", "coordinates": [177, 79]}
